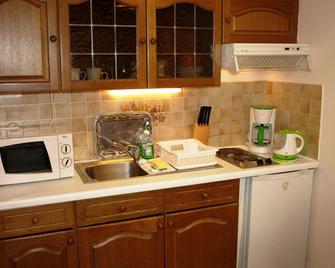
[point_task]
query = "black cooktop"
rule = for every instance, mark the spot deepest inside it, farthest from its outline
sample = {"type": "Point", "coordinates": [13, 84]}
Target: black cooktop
{"type": "Point", "coordinates": [242, 158]}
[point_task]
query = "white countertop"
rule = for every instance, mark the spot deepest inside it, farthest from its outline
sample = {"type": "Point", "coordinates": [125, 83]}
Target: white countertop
{"type": "Point", "coordinates": [70, 189]}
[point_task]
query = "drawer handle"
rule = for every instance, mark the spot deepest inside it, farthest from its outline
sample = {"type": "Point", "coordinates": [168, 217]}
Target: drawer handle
{"type": "Point", "coordinates": [70, 241]}
{"type": "Point", "coordinates": [205, 195]}
{"type": "Point", "coordinates": [35, 220]}
{"type": "Point", "coordinates": [170, 223]}
{"type": "Point", "coordinates": [122, 208]}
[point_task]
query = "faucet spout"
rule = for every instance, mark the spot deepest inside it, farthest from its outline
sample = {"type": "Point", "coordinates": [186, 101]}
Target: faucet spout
{"type": "Point", "coordinates": [130, 149]}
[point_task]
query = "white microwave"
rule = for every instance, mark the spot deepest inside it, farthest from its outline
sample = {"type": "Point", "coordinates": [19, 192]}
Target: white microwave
{"type": "Point", "coordinates": [36, 159]}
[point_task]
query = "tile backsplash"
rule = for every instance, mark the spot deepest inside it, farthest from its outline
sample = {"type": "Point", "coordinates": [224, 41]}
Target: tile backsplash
{"type": "Point", "coordinates": [299, 107]}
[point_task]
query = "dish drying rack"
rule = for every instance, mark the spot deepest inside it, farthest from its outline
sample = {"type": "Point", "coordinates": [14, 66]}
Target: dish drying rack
{"type": "Point", "coordinates": [187, 153]}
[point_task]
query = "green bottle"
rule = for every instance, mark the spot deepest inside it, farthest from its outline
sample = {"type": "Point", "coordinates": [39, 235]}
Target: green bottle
{"type": "Point", "coordinates": [143, 141]}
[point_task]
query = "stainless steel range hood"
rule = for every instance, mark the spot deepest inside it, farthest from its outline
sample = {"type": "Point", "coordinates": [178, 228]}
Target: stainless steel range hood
{"type": "Point", "coordinates": [245, 57]}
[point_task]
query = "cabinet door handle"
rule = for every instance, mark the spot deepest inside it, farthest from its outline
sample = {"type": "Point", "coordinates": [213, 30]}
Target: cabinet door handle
{"type": "Point", "coordinates": [70, 241]}
{"type": "Point", "coordinates": [122, 208]}
{"type": "Point", "coordinates": [205, 195]}
{"type": "Point", "coordinates": [35, 220]}
{"type": "Point", "coordinates": [160, 226]}
{"type": "Point", "coordinates": [170, 223]}
{"type": "Point", "coordinates": [227, 20]}
{"type": "Point", "coordinates": [53, 38]}
{"type": "Point", "coordinates": [143, 40]}
{"type": "Point", "coordinates": [153, 41]}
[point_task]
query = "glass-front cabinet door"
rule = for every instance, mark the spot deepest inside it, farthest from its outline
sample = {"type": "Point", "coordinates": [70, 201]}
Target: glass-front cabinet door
{"type": "Point", "coordinates": [184, 42]}
{"type": "Point", "coordinates": [103, 44]}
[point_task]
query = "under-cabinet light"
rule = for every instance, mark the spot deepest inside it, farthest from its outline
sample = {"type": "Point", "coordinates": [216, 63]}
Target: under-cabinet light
{"type": "Point", "coordinates": [143, 91]}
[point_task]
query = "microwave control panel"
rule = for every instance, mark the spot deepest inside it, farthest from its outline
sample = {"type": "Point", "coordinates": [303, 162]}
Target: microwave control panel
{"type": "Point", "coordinates": [65, 150]}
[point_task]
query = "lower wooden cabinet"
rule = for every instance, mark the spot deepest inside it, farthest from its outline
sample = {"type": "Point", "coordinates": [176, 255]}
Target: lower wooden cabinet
{"type": "Point", "coordinates": [184, 227]}
{"type": "Point", "coordinates": [128, 244]}
{"type": "Point", "coordinates": [202, 238]}
{"type": "Point", "coordinates": [56, 250]}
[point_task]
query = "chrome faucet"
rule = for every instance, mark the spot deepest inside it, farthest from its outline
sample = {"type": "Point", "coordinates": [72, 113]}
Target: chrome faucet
{"type": "Point", "coordinates": [130, 149]}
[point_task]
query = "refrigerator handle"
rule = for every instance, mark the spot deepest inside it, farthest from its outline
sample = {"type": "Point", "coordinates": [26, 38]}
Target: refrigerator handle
{"type": "Point", "coordinates": [282, 175]}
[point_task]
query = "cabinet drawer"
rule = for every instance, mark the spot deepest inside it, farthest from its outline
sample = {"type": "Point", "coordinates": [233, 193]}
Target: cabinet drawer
{"type": "Point", "coordinates": [36, 219]}
{"type": "Point", "coordinates": [122, 207]}
{"type": "Point", "coordinates": [202, 195]}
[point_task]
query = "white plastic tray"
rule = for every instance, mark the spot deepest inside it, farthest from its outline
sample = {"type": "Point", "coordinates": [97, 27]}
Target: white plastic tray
{"type": "Point", "coordinates": [187, 153]}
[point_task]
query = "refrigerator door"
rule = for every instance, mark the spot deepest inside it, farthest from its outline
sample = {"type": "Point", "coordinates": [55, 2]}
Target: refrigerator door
{"type": "Point", "coordinates": [278, 220]}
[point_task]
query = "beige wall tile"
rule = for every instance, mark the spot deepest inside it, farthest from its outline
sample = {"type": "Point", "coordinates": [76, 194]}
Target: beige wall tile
{"type": "Point", "coordinates": [79, 124]}
{"type": "Point", "coordinates": [177, 118]}
{"type": "Point", "coordinates": [62, 97]}
{"type": "Point", "coordinates": [226, 115]}
{"type": "Point", "coordinates": [78, 96]}
{"type": "Point", "coordinates": [214, 130]}
{"type": "Point", "coordinates": [268, 87]}
{"type": "Point", "coordinates": [2, 114]}
{"type": "Point", "coordinates": [81, 153]}
{"type": "Point", "coordinates": [30, 112]}
{"type": "Point", "coordinates": [79, 139]}
{"type": "Point", "coordinates": [63, 125]}
{"type": "Point", "coordinates": [12, 99]}
{"type": "Point", "coordinates": [236, 127]}
{"type": "Point", "coordinates": [90, 122]}
{"type": "Point", "coordinates": [315, 107]}
{"type": "Point", "coordinates": [177, 104]}
{"type": "Point", "coordinates": [285, 103]}
{"type": "Point", "coordinates": [93, 96]}
{"type": "Point", "coordinates": [187, 91]}
{"type": "Point", "coordinates": [44, 98]}
{"type": "Point", "coordinates": [190, 104]}
{"type": "Point", "coordinates": [202, 101]}
{"type": "Point", "coordinates": [78, 109]}
{"type": "Point", "coordinates": [13, 113]}
{"type": "Point", "coordinates": [63, 110]}
{"type": "Point", "coordinates": [45, 111]}
{"type": "Point", "coordinates": [225, 128]}
{"type": "Point", "coordinates": [304, 105]}
{"type": "Point", "coordinates": [93, 108]}
{"type": "Point", "coordinates": [29, 99]}
{"type": "Point", "coordinates": [225, 140]}
{"type": "Point", "coordinates": [315, 92]}
{"type": "Point", "coordinates": [108, 106]}
{"type": "Point", "coordinates": [190, 118]}
{"type": "Point", "coordinates": [237, 114]}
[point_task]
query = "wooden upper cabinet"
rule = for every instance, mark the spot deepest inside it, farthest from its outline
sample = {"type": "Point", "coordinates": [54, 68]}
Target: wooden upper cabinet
{"type": "Point", "coordinates": [29, 45]}
{"type": "Point", "coordinates": [103, 44]}
{"type": "Point", "coordinates": [184, 42]}
{"type": "Point", "coordinates": [260, 21]}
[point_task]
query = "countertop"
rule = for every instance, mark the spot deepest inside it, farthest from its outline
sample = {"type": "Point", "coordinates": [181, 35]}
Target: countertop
{"type": "Point", "coordinates": [71, 189]}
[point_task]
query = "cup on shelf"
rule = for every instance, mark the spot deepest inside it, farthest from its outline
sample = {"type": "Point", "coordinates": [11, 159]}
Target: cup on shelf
{"type": "Point", "coordinates": [96, 74]}
{"type": "Point", "coordinates": [77, 74]}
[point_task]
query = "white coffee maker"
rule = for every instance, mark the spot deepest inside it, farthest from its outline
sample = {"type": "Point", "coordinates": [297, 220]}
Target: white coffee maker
{"type": "Point", "coordinates": [262, 124]}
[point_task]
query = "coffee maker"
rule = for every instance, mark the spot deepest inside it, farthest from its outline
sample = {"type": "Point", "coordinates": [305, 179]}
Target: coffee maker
{"type": "Point", "coordinates": [262, 123]}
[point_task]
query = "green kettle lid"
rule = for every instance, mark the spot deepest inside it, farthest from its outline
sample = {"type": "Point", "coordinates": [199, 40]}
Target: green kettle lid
{"type": "Point", "coordinates": [263, 107]}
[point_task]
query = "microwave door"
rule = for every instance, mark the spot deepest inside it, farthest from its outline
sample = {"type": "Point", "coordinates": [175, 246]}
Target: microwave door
{"type": "Point", "coordinates": [30, 157]}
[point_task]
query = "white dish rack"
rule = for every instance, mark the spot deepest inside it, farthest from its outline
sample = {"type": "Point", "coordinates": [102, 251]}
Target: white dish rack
{"type": "Point", "coordinates": [187, 153]}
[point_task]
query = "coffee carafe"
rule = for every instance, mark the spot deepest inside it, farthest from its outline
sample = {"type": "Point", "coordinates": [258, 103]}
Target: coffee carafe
{"type": "Point", "coordinates": [262, 123]}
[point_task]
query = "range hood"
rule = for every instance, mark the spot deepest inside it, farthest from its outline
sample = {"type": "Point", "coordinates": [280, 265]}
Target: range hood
{"type": "Point", "coordinates": [243, 57]}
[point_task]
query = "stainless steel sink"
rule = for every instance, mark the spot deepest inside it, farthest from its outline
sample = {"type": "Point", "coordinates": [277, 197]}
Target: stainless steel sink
{"type": "Point", "coordinates": [107, 170]}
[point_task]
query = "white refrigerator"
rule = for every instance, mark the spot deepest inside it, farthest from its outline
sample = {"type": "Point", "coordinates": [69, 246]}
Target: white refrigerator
{"type": "Point", "coordinates": [274, 220]}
